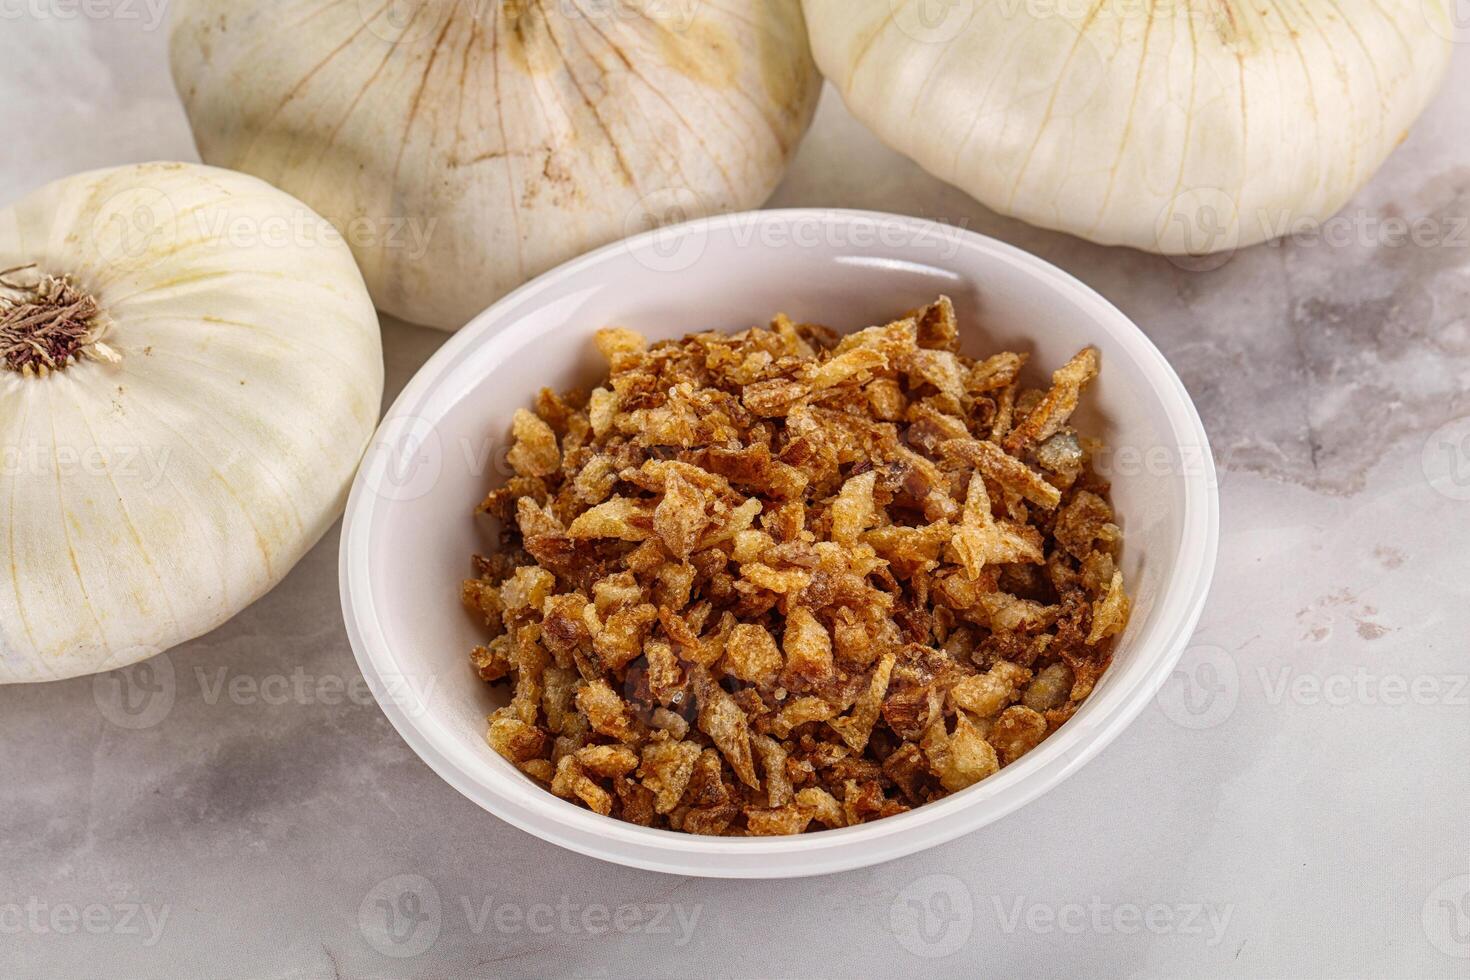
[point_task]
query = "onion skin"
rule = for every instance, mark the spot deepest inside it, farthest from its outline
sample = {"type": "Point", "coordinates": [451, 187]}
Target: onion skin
{"type": "Point", "coordinates": [463, 148]}
{"type": "Point", "coordinates": [151, 494]}
{"type": "Point", "coordinates": [1182, 128]}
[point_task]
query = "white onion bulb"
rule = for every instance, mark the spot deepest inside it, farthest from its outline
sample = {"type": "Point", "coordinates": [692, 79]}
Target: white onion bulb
{"type": "Point", "coordinates": [1174, 126]}
{"type": "Point", "coordinates": [464, 147]}
{"type": "Point", "coordinates": [190, 371]}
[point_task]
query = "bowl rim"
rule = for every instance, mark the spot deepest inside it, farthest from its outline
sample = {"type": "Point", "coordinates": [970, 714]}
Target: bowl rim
{"type": "Point", "coordinates": [560, 822]}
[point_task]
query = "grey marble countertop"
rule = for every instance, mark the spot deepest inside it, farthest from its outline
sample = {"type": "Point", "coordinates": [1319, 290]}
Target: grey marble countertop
{"type": "Point", "coordinates": [1294, 803]}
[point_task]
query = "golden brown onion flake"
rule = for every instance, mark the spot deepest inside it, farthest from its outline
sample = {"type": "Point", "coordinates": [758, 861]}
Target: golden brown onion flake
{"type": "Point", "coordinates": [782, 580]}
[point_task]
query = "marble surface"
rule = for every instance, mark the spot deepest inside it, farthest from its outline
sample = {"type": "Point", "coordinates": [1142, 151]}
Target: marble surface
{"type": "Point", "coordinates": [1293, 804]}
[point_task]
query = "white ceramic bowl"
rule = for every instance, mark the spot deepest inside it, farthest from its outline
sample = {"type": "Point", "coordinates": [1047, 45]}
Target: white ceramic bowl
{"type": "Point", "coordinates": [409, 529]}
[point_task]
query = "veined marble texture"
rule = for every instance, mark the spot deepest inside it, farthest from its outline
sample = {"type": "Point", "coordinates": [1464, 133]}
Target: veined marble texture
{"type": "Point", "coordinates": [1295, 802]}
